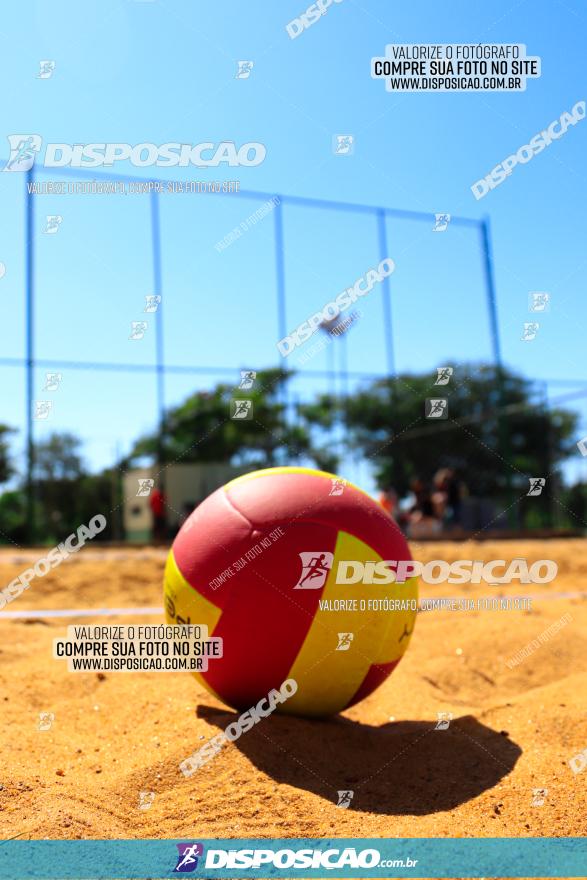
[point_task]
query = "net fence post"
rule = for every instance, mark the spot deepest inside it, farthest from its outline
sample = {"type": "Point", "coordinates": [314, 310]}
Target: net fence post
{"type": "Point", "coordinates": [387, 319]}
{"type": "Point", "coordinates": [280, 291]}
{"type": "Point", "coordinates": [159, 349]}
{"type": "Point", "coordinates": [30, 353]}
{"type": "Point", "coordinates": [502, 425]}
{"type": "Point", "coordinates": [386, 295]}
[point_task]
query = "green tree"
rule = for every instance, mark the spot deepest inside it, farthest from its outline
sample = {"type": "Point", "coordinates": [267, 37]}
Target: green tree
{"type": "Point", "coordinates": [66, 494]}
{"type": "Point", "coordinates": [58, 458]}
{"type": "Point", "coordinates": [58, 468]}
{"type": "Point", "coordinates": [574, 505]}
{"type": "Point", "coordinates": [12, 517]}
{"type": "Point", "coordinates": [12, 509]}
{"type": "Point", "coordinates": [201, 428]}
{"type": "Point", "coordinates": [6, 468]}
{"type": "Point", "coordinates": [494, 437]}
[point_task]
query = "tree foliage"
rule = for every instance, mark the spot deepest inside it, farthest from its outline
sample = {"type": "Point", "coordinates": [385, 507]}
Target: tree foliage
{"type": "Point", "coordinates": [6, 468]}
{"type": "Point", "coordinates": [496, 433]}
{"type": "Point", "coordinates": [201, 429]}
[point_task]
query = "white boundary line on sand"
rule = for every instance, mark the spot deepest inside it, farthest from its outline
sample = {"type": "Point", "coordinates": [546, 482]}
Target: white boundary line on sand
{"type": "Point", "coordinates": [74, 612]}
{"type": "Point", "coordinates": [126, 612]}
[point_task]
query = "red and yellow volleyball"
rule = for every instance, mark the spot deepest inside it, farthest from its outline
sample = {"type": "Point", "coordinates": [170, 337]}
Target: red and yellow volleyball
{"type": "Point", "coordinates": [256, 563]}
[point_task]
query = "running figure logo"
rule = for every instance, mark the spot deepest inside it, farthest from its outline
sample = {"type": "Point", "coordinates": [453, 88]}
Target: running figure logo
{"type": "Point", "coordinates": [241, 409]}
{"type": "Point", "coordinates": [530, 330]}
{"type": "Point", "coordinates": [247, 379]}
{"type": "Point", "coordinates": [42, 409]}
{"type": "Point", "coordinates": [315, 568]}
{"type": "Point", "coordinates": [146, 799]}
{"type": "Point", "coordinates": [345, 798]}
{"type": "Point", "coordinates": [152, 302]}
{"type": "Point", "coordinates": [436, 408]}
{"type": "Point", "coordinates": [444, 719]}
{"type": "Point", "coordinates": [46, 719]}
{"type": "Point", "coordinates": [343, 144]}
{"type": "Point", "coordinates": [537, 484]}
{"type": "Point", "coordinates": [441, 222]}
{"type": "Point", "coordinates": [46, 69]}
{"type": "Point", "coordinates": [245, 69]}
{"type": "Point", "coordinates": [187, 860]}
{"type": "Point", "coordinates": [54, 221]}
{"type": "Point", "coordinates": [444, 374]}
{"type": "Point", "coordinates": [344, 641]}
{"type": "Point", "coordinates": [338, 486]}
{"type": "Point", "coordinates": [137, 329]}
{"type": "Point", "coordinates": [23, 149]}
{"type": "Point", "coordinates": [538, 301]}
{"type": "Point", "coordinates": [52, 381]}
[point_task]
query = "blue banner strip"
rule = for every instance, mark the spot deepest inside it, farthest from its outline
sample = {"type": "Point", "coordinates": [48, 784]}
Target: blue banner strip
{"type": "Point", "coordinates": [293, 857]}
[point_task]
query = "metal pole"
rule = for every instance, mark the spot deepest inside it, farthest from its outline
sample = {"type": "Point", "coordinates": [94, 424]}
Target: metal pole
{"type": "Point", "coordinates": [502, 425]}
{"type": "Point", "coordinates": [280, 288]}
{"type": "Point", "coordinates": [30, 363]}
{"type": "Point", "coordinates": [386, 295]}
{"type": "Point", "coordinates": [387, 322]}
{"type": "Point", "coordinates": [157, 290]}
{"type": "Point", "coordinates": [280, 271]}
{"type": "Point", "coordinates": [552, 484]}
{"type": "Point", "coordinates": [331, 366]}
{"type": "Point", "coordinates": [490, 291]}
{"type": "Point", "coordinates": [344, 365]}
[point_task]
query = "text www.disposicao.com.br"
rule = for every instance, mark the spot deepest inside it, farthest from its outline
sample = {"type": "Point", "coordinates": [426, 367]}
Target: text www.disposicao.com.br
{"type": "Point", "coordinates": [134, 664]}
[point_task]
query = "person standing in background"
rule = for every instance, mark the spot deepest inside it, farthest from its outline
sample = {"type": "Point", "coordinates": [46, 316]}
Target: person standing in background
{"type": "Point", "coordinates": [157, 504]}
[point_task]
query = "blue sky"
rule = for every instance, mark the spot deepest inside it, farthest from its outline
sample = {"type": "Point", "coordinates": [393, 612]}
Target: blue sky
{"type": "Point", "coordinates": [134, 72]}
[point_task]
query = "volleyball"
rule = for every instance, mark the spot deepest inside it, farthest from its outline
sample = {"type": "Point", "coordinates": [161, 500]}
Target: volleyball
{"type": "Point", "coordinates": [264, 564]}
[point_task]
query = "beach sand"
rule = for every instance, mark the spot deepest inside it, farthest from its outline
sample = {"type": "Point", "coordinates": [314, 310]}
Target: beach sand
{"type": "Point", "coordinates": [116, 735]}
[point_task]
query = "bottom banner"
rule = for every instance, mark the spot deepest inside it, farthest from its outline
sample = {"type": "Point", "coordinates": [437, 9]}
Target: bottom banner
{"type": "Point", "coordinates": [288, 858]}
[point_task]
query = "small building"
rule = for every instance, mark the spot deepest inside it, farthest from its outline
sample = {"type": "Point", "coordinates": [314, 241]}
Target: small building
{"type": "Point", "coordinates": [186, 486]}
